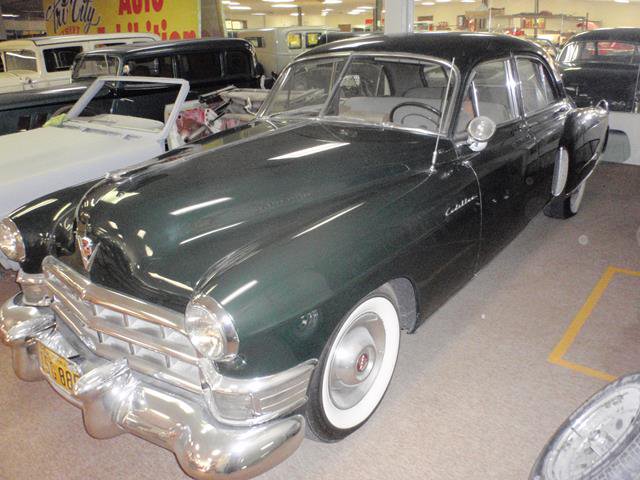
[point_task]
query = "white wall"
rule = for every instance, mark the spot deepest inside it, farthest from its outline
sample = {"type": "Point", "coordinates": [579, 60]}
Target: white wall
{"type": "Point", "coordinates": [609, 13]}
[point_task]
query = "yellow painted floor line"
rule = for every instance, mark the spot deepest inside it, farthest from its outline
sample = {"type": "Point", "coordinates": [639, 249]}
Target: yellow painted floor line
{"type": "Point", "coordinates": [563, 346]}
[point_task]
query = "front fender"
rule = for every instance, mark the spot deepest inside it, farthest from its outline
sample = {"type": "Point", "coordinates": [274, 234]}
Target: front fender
{"type": "Point", "coordinates": [46, 225]}
{"type": "Point", "coordinates": [585, 136]}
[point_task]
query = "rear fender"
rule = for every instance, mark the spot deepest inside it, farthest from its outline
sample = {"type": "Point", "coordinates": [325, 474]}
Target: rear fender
{"type": "Point", "coordinates": [585, 137]}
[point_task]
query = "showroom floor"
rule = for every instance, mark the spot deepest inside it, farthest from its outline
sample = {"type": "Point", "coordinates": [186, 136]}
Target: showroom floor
{"type": "Point", "coordinates": [475, 394]}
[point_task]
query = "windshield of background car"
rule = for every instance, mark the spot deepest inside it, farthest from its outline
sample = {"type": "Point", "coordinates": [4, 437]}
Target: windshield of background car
{"type": "Point", "coordinates": [20, 60]}
{"type": "Point", "coordinates": [129, 105]}
{"type": "Point", "coordinates": [94, 66]}
{"type": "Point", "coordinates": [601, 51]}
{"type": "Point", "coordinates": [397, 91]}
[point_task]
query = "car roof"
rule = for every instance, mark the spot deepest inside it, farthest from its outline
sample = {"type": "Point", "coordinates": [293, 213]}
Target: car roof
{"type": "Point", "coordinates": [61, 39]}
{"type": "Point", "coordinates": [467, 48]}
{"type": "Point", "coordinates": [168, 46]}
{"type": "Point", "coordinates": [629, 34]}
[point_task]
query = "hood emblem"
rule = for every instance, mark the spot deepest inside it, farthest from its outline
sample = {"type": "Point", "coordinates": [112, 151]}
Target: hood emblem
{"type": "Point", "coordinates": [87, 251]}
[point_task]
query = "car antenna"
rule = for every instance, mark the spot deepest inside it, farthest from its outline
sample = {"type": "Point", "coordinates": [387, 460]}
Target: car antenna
{"type": "Point", "coordinates": [444, 109]}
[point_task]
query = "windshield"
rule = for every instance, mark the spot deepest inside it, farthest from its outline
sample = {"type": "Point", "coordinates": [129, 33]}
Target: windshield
{"type": "Point", "coordinates": [94, 66]}
{"type": "Point", "coordinates": [384, 90]}
{"type": "Point", "coordinates": [601, 51]}
{"type": "Point", "coordinates": [20, 60]}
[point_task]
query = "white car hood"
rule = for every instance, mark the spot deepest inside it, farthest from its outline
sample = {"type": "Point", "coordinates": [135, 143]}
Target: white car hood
{"type": "Point", "coordinates": [9, 79]}
{"type": "Point", "coordinates": [40, 161]}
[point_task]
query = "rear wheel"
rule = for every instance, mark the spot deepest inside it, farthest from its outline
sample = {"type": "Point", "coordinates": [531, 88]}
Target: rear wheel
{"type": "Point", "coordinates": [355, 367]}
{"type": "Point", "coordinates": [568, 205]}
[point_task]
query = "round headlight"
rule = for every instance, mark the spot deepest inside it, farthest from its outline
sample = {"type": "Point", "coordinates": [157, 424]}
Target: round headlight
{"type": "Point", "coordinates": [11, 243]}
{"type": "Point", "coordinates": [210, 329]}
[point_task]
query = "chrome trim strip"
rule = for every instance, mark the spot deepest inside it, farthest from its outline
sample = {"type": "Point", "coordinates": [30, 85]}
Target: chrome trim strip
{"type": "Point", "coordinates": [118, 302]}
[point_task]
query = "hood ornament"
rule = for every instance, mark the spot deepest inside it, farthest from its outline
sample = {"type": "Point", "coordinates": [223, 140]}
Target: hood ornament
{"type": "Point", "coordinates": [87, 251]}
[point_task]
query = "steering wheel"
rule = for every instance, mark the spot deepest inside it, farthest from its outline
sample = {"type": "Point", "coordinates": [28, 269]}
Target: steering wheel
{"type": "Point", "coordinates": [427, 107]}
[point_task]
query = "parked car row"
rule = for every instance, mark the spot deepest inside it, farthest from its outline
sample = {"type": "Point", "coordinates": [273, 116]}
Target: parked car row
{"type": "Point", "coordinates": [206, 64]}
{"type": "Point", "coordinates": [225, 297]}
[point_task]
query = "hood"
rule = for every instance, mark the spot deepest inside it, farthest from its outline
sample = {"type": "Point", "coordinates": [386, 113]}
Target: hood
{"type": "Point", "coordinates": [12, 81]}
{"type": "Point", "coordinates": [588, 83]}
{"type": "Point", "coordinates": [39, 161]}
{"type": "Point", "coordinates": [163, 228]}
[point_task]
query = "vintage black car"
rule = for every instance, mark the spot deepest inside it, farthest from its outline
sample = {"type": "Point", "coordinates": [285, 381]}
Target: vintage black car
{"type": "Point", "coordinates": [219, 299]}
{"type": "Point", "coordinates": [603, 65]}
{"type": "Point", "coordinates": [207, 64]}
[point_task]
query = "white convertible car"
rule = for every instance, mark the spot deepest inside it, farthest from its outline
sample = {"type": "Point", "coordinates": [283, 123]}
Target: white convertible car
{"type": "Point", "coordinates": [80, 148]}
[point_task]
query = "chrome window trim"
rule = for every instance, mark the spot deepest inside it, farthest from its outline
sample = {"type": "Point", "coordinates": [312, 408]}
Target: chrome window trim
{"type": "Point", "coordinates": [511, 87]}
{"type": "Point", "coordinates": [449, 107]}
{"type": "Point", "coordinates": [558, 97]}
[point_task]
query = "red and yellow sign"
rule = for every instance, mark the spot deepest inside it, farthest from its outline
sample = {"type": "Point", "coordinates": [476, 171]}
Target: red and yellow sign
{"type": "Point", "coordinates": [170, 19]}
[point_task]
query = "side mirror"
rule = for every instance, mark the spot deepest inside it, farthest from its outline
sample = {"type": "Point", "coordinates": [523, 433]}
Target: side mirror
{"type": "Point", "coordinates": [480, 131]}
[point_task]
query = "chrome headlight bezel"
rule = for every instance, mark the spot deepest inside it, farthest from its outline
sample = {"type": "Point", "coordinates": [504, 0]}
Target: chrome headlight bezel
{"type": "Point", "coordinates": [211, 330]}
{"type": "Point", "coordinates": [11, 241]}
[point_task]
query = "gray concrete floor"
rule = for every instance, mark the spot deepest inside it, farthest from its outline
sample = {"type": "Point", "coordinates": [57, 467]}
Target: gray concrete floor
{"type": "Point", "coordinates": [474, 395]}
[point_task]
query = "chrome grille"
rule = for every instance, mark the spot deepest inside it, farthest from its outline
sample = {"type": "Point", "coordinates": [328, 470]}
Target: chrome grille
{"type": "Point", "coordinates": [115, 326]}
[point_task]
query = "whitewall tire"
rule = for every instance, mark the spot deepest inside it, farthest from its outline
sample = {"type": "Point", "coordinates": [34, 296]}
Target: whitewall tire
{"type": "Point", "coordinates": [355, 368]}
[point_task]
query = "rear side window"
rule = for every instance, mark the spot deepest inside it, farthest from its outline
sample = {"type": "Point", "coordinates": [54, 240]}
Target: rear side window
{"type": "Point", "coordinates": [294, 40]}
{"type": "Point", "coordinates": [200, 65]}
{"type": "Point", "coordinates": [257, 42]}
{"type": "Point", "coordinates": [150, 67]}
{"type": "Point", "coordinates": [601, 51]}
{"type": "Point", "coordinates": [313, 39]}
{"type": "Point", "coordinates": [488, 95]}
{"type": "Point", "coordinates": [238, 63]}
{"type": "Point", "coordinates": [537, 92]}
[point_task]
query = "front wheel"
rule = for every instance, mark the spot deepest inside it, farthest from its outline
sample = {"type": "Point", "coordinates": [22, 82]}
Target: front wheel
{"type": "Point", "coordinates": [355, 367]}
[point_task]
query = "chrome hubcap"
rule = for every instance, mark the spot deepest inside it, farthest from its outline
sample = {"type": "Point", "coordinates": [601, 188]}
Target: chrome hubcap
{"type": "Point", "coordinates": [598, 431]}
{"type": "Point", "coordinates": [356, 361]}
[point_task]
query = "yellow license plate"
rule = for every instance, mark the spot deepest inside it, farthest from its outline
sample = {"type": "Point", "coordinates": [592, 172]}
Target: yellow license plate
{"type": "Point", "coordinates": [58, 368]}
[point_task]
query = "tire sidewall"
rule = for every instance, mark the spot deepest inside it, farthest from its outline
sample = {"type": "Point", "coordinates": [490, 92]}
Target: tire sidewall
{"type": "Point", "coordinates": [321, 428]}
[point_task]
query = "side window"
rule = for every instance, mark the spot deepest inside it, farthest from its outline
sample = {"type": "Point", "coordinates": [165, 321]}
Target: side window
{"type": "Point", "coordinates": [150, 67]}
{"type": "Point", "coordinates": [294, 41]}
{"type": "Point", "coordinates": [312, 39]}
{"type": "Point", "coordinates": [488, 95]}
{"type": "Point", "coordinates": [257, 42]}
{"type": "Point", "coordinates": [537, 92]}
{"type": "Point", "coordinates": [60, 59]}
{"type": "Point", "coordinates": [200, 65]}
{"type": "Point", "coordinates": [237, 63]}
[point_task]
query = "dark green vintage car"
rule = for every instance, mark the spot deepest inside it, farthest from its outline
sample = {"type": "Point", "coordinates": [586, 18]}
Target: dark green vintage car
{"type": "Point", "coordinates": [218, 299]}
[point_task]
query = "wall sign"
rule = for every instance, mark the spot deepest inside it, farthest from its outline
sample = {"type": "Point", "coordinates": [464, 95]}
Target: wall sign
{"type": "Point", "coordinates": [170, 19]}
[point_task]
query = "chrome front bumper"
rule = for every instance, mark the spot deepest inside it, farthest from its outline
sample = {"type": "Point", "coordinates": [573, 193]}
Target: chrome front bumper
{"type": "Point", "coordinates": [114, 400]}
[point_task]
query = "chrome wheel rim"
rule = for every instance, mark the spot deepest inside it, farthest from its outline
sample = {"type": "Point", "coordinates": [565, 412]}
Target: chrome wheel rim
{"type": "Point", "coordinates": [360, 363]}
{"type": "Point", "coordinates": [582, 447]}
{"type": "Point", "coordinates": [576, 197]}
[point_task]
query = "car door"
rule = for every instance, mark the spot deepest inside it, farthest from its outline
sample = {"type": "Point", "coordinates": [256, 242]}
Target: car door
{"type": "Point", "coordinates": [545, 112]}
{"type": "Point", "coordinates": [501, 165]}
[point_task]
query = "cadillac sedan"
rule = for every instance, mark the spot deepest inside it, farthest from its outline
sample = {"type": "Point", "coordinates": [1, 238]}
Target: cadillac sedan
{"type": "Point", "coordinates": [221, 301]}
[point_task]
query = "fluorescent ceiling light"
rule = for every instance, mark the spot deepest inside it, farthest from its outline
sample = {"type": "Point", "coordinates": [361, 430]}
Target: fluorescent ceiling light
{"type": "Point", "coordinates": [284, 5]}
{"type": "Point", "coordinates": [257, 14]}
{"type": "Point", "coordinates": [332, 2]}
{"type": "Point", "coordinates": [443, 1]}
{"type": "Point", "coordinates": [10, 15]}
{"type": "Point", "coordinates": [428, 4]}
{"type": "Point", "coordinates": [238, 7]}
